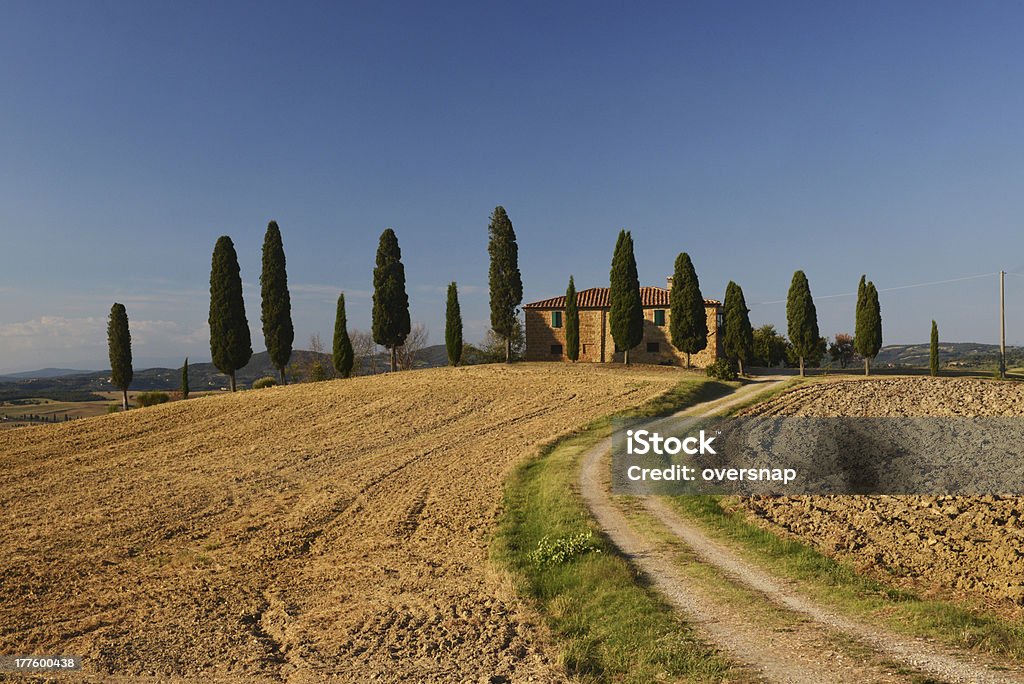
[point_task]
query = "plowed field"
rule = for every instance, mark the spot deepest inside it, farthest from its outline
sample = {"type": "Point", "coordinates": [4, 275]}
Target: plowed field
{"type": "Point", "coordinates": [961, 547]}
{"type": "Point", "coordinates": [329, 531]}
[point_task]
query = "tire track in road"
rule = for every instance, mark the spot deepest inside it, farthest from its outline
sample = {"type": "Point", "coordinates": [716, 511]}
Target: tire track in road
{"type": "Point", "coordinates": [791, 656]}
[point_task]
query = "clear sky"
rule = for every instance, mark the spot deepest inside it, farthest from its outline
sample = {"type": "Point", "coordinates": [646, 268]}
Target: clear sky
{"type": "Point", "coordinates": [841, 138]}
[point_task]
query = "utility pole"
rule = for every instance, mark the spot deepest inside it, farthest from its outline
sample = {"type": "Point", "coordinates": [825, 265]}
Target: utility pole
{"type": "Point", "coordinates": [1002, 326]}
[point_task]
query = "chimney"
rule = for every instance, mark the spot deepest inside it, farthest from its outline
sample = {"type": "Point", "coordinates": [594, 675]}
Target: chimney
{"type": "Point", "coordinates": [669, 282]}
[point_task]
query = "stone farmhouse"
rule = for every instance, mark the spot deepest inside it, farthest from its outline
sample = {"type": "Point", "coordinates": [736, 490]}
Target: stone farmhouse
{"type": "Point", "coordinates": [545, 329]}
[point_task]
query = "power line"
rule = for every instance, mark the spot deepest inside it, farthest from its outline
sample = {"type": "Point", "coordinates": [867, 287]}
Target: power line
{"type": "Point", "coordinates": [898, 287]}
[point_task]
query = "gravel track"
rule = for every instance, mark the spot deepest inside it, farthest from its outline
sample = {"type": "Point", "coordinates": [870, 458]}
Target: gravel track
{"type": "Point", "coordinates": [811, 651]}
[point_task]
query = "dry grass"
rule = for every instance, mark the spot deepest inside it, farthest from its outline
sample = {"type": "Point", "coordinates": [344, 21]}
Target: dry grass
{"type": "Point", "coordinates": [336, 530]}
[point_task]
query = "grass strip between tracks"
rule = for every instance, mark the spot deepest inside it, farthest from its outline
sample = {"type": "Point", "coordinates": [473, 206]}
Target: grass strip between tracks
{"type": "Point", "coordinates": [838, 585]}
{"type": "Point", "coordinates": [609, 626]}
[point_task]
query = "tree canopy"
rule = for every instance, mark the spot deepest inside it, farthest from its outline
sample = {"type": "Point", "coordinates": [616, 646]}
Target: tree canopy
{"type": "Point", "coordinates": [689, 321]}
{"type": "Point", "coordinates": [802, 319]}
{"type": "Point", "coordinates": [230, 342]}
{"type": "Point", "coordinates": [504, 280]}
{"type": "Point", "coordinates": [391, 323]}
{"type": "Point", "coordinates": [626, 318]}
{"type": "Point", "coordinates": [278, 332]}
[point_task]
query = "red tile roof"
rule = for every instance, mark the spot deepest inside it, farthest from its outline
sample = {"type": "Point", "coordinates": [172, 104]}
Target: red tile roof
{"type": "Point", "coordinates": [597, 298]}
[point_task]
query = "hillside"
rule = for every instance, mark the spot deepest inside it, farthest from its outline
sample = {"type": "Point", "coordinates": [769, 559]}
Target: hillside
{"type": "Point", "coordinates": [967, 354]}
{"type": "Point", "coordinates": [335, 529]}
{"type": "Point", "coordinates": [80, 385]}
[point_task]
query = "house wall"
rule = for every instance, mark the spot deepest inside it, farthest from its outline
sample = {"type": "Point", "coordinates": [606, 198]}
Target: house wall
{"type": "Point", "coordinates": [593, 322]}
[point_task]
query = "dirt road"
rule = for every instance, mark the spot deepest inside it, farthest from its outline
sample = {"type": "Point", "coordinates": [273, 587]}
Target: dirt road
{"type": "Point", "coordinates": [816, 646]}
{"type": "Point", "coordinates": [328, 532]}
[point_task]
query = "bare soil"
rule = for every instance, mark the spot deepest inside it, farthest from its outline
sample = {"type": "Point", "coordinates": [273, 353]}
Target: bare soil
{"type": "Point", "coordinates": [969, 548]}
{"type": "Point", "coordinates": [335, 531]}
{"type": "Point", "coordinates": [814, 644]}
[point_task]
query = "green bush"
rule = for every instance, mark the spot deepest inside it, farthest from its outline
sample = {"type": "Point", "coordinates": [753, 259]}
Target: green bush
{"type": "Point", "coordinates": [558, 551]}
{"type": "Point", "coordinates": [722, 369]}
{"type": "Point", "coordinates": [113, 408]}
{"type": "Point", "coordinates": [151, 398]}
{"type": "Point", "coordinates": [266, 381]}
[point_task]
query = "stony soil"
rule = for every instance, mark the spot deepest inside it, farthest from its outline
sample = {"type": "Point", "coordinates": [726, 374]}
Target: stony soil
{"type": "Point", "coordinates": [335, 531]}
{"type": "Point", "coordinates": [962, 547]}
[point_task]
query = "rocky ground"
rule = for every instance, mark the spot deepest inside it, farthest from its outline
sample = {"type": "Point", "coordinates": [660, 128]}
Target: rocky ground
{"type": "Point", "coordinates": [962, 547]}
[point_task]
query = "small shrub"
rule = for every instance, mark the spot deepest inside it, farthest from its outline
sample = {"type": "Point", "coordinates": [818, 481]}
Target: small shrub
{"type": "Point", "coordinates": [263, 382]}
{"type": "Point", "coordinates": [722, 369]}
{"type": "Point", "coordinates": [113, 408]}
{"type": "Point", "coordinates": [151, 398]}
{"type": "Point", "coordinates": [317, 372]}
{"type": "Point", "coordinates": [557, 551]}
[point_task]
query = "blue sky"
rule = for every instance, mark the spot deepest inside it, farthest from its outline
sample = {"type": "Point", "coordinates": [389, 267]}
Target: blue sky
{"type": "Point", "coordinates": [840, 138]}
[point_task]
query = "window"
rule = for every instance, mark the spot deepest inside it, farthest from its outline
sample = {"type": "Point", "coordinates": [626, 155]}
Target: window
{"type": "Point", "coordinates": [556, 350]}
{"type": "Point", "coordinates": [556, 319]}
{"type": "Point", "coordinates": [587, 349]}
{"type": "Point", "coordinates": [659, 317]}
{"type": "Point", "coordinates": [719, 321]}
{"type": "Point", "coordinates": [653, 347]}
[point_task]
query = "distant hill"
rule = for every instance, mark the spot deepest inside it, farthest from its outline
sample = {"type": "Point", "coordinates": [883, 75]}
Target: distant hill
{"type": "Point", "coordinates": [43, 373]}
{"type": "Point", "coordinates": [966, 354]}
{"type": "Point", "coordinates": [74, 385]}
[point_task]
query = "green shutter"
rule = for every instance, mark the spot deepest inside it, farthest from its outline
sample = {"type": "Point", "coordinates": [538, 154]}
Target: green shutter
{"type": "Point", "coordinates": [659, 317]}
{"type": "Point", "coordinates": [556, 319]}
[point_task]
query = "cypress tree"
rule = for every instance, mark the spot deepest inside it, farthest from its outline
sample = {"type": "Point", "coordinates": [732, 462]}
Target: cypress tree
{"type": "Point", "coordinates": [119, 346]}
{"type": "Point", "coordinates": [453, 326]}
{"type": "Point", "coordinates": [738, 341]}
{"type": "Point", "coordinates": [343, 356]}
{"type": "Point", "coordinates": [504, 279]}
{"type": "Point", "coordinates": [627, 313]}
{"type": "Point", "coordinates": [934, 355]}
{"type": "Point", "coordinates": [689, 325]}
{"type": "Point", "coordinates": [867, 339]}
{"type": "Point", "coordinates": [277, 306]}
{"type": "Point", "coordinates": [802, 318]}
{"type": "Point", "coordinates": [184, 380]}
{"type": "Point", "coordinates": [230, 342]}
{"type": "Point", "coordinates": [391, 322]}
{"type": "Point", "coordinates": [572, 323]}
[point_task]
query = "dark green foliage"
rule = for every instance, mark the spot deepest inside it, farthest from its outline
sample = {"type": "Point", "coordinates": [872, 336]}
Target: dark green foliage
{"type": "Point", "coordinates": [184, 380]}
{"type": "Point", "coordinates": [453, 326]}
{"type": "Point", "coordinates": [277, 306]}
{"type": "Point", "coordinates": [626, 318]}
{"type": "Point", "coordinates": [867, 337]}
{"type": "Point", "coordinates": [264, 382]}
{"type": "Point", "coordinates": [722, 369]}
{"type": "Point", "coordinates": [391, 323]}
{"type": "Point", "coordinates": [506, 283]}
{"type": "Point", "coordinates": [344, 356]}
{"type": "Point", "coordinates": [738, 340]}
{"type": "Point", "coordinates": [802, 318]}
{"type": "Point", "coordinates": [119, 343]}
{"type": "Point", "coordinates": [572, 323]}
{"type": "Point", "coordinates": [230, 342]}
{"type": "Point", "coordinates": [769, 346]}
{"type": "Point", "coordinates": [151, 398]}
{"type": "Point", "coordinates": [689, 324]}
{"type": "Point", "coordinates": [934, 354]}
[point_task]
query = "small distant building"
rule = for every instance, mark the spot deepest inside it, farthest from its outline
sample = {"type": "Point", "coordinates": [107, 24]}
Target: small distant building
{"type": "Point", "coordinates": [545, 329]}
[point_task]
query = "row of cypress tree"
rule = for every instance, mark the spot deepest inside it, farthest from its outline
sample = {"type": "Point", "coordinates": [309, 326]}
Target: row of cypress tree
{"type": "Point", "coordinates": [688, 326]}
{"type": "Point", "coordinates": [230, 340]}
